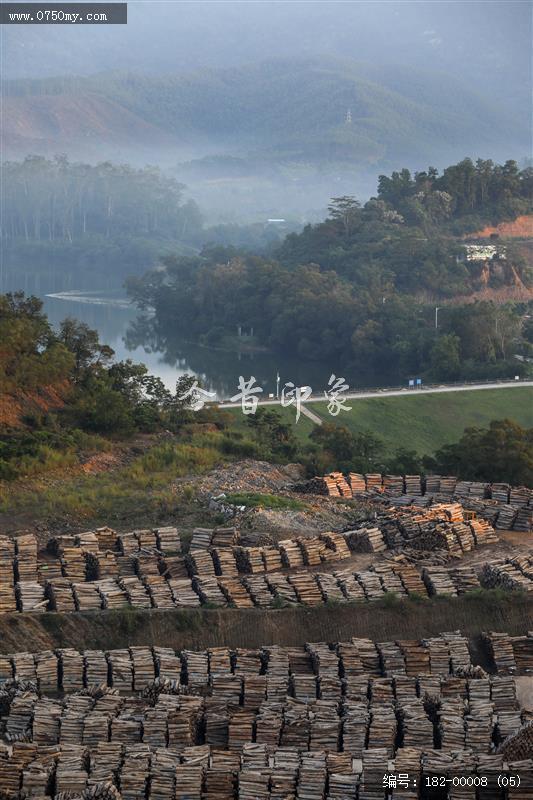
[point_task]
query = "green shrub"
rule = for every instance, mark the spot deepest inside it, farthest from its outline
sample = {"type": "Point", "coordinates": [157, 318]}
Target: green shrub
{"type": "Point", "coordinates": [258, 500]}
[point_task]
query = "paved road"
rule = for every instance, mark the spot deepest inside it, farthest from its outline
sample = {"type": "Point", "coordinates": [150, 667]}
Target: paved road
{"type": "Point", "coordinates": [473, 387]}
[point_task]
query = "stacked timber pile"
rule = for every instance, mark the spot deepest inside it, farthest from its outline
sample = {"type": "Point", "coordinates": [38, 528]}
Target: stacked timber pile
{"type": "Point", "coordinates": [107, 539]}
{"type": "Point", "coordinates": [87, 541]}
{"type": "Point", "coordinates": [312, 549]}
{"type": "Point", "coordinates": [102, 565]}
{"type": "Point", "coordinates": [464, 536]}
{"type": "Point", "coordinates": [87, 597]}
{"type": "Point", "coordinates": [259, 590]}
{"type": "Point", "coordinates": [174, 567]}
{"type": "Point", "coordinates": [390, 579]}
{"type": "Point", "coordinates": [417, 728]}
{"type": "Point", "coordinates": [366, 540]}
{"type": "Point", "coordinates": [330, 588]}
{"type": "Point", "coordinates": [168, 540]}
{"type": "Point", "coordinates": [451, 726]}
{"type": "Point", "coordinates": [30, 596]}
{"type": "Point", "coordinates": [200, 563]}
{"type": "Point", "coordinates": [70, 673]}
{"type": "Point", "coordinates": [209, 591]}
{"type": "Point", "coordinates": [113, 596]}
{"type": "Point", "coordinates": [97, 668]}
{"type": "Point", "coordinates": [483, 532]}
{"type": "Point", "coordinates": [518, 747]}
{"type": "Point", "coordinates": [416, 657]}
{"type": "Point", "coordinates": [235, 593]}
{"type": "Point", "coordinates": [520, 496]}
{"type": "Point", "coordinates": [250, 560]}
{"type": "Point", "coordinates": [225, 562]}
{"type": "Point", "coordinates": [147, 563]}
{"type": "Point", "coordinates": [350, 586]}
{"type": "Point", "coordinates": [60, 595]}
{"type": "Point", "coordinates": [439, 582]}
{"type": "Point", "coordinates": [464, 579]}
{"type": "Point", "coordinates": [7, 558]}
{"type": "Point", "coordinates": [225, 537]}
{"type": "Point", "coordinates": [73, 563]}
{"type": "Point", "coordinates": [201, 538]}
{"type": "Point", "coordinates": [280, 587]}
{"type": "Point", "coordinates": [505, 517]}
{"type": "Point", "coordinates": [413, 485]}
{"type": "Point", "coordinates": [392, 660]}
{"type": "Point", "coordinates": [159, 591]}
{"type": "Point", "coordinates": [7, 575]}
{"type": "Point", "coordinates": [128, 544]}
{"type": "Point", "coordinates": [410, 578]}
{"type": "Point", "coordinates": [306, 588]}
{"type": "Point", "coordinates": [147, 539]}
{"type": "Point", "coordinates": [335, 542]}
{"type": "Point", "coordinates": [500, 646]}
{"type": "Point", "coordinates": [121, 667]}
{"type": "Point", "coordinates": [393, 485]}
{"type": "Point", "coordinates": [183, 593]}
{"type": "Point", "coordinates": [374, 482]}
{"type": "Point", "coordinates": [523, 652]}
{"type": "Point", "coordinates": [504, 575]}
{"type": "Point", "coordinates": [26, 560]}
{"type": "Point", "coordinates": [135, 592]}
{"type": "Point", "coordinates": [371, 583]}
{"type": "Point", "coordinates": [524, 519]}
{"type": "Point", "coordinates": [272, 559]}
{"type": "Point", "coordinates": [459, 652]}
{"type": "Point", "coordinates": [291, 553]}
{"type": "Point", "coordinates": [357, 483]}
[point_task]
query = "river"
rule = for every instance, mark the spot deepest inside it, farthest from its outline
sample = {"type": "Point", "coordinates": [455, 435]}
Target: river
{"type": "Point", "coordinates": [111, 314]}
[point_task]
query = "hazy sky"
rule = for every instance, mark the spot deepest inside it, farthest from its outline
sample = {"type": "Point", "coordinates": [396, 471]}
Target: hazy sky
{"type": "Point", "coordinates": [486, 43]}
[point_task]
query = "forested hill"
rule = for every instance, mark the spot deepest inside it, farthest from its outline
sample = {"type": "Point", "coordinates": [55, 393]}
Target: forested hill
{"type": "Point", "coordinates": [289, 109]}
{"type": "Point", "coordinates": [360, 289]}
{"type": "Point", "coordinates": [410, 235]}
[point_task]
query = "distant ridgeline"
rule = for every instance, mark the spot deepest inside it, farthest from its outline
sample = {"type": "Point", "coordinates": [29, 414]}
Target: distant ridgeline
{"type": "Point", "coordinates": [362, 286]}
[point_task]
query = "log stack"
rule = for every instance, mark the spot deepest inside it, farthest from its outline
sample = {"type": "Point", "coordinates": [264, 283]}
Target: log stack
{"type": "Point", "coordinates": [201, 538]}
{"type": "Point", "coordinates": [306, 588]}
{"type": "Point", "coordinates": [30, 596]}
{"type": "Point", "coordinates": [291, 553]}
{"type": "Point", "coordinates": [135, 592]}
{"type": "Point", "coordinates": [357, 483]}
{"type": "Point", "coordinates": [209, 591]}
{"type": "Point", "coordinates": [26, 557]}
{"type": "Point", "coordinates": [168, 540]}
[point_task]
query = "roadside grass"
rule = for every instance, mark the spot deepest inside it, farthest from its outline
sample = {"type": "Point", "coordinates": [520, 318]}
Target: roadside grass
{"type": "Point", "coordinates": [423, 423]}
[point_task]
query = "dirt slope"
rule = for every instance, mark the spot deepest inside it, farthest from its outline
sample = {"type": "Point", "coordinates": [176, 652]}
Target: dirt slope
{"type": "Point", "coordinates": [47, 123]}
{"type": "Point", "coordinates": [520, 228]}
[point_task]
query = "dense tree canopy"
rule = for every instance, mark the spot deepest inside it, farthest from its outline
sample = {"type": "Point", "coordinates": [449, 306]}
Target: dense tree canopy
{"type": "Point", "coordinates": [98, 394]}
{"type": "Point", "coordinates": [361, 287]}
{"type": "Point", "coordinates": [501, 452]}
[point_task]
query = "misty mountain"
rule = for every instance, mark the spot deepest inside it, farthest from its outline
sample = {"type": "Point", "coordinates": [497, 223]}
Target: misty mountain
{"type": "Point", "coordinates": [488, 45]}
{"type": "Point", "coordinates": [313, 110]}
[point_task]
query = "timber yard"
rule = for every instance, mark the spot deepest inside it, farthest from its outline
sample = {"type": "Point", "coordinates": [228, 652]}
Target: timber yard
{"type": "Point", "coordinates": [171, 694]}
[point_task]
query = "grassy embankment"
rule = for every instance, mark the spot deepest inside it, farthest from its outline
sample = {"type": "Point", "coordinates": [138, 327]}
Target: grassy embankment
{"type": "Point", "coordinates": [199, 628]}
{"type": "Point", "coordinates": [424, 422]}
{"type": "Point", "coordinates": [141, 490]}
